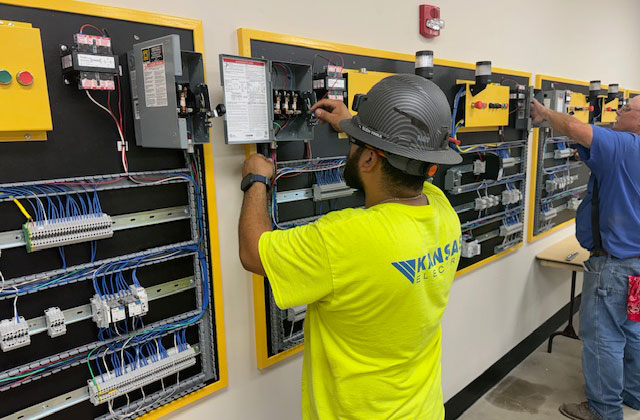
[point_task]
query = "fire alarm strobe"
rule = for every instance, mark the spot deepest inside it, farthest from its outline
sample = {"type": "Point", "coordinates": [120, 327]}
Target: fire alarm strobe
{"type": "Point", "coordinates": [430, 22]}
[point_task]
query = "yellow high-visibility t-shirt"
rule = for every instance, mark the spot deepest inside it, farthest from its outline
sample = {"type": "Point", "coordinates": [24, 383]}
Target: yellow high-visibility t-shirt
{"type": "Point", "coordinates": [377, 282]}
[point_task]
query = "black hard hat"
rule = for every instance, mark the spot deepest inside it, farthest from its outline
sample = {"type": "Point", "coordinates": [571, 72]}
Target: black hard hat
{"type": "Point", "coordinates": [408, 117]}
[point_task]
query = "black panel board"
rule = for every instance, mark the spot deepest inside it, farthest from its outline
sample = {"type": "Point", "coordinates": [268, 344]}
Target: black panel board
{"type": "Point", "coordinates": [582, 171]}
{"type": "Point", "coordinates": [83, 143]}
{"type": "Point", "coordinates": [327, 144]}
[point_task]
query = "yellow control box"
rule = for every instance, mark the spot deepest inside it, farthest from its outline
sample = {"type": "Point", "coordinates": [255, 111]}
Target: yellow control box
{"type": "Point", "coordinates": [609, 110]}
{"type": "Point", "coordinates": [579, 107]}
{"type": "Point", "coordinates": [24, 99]}
{"type": "Point", "coordinates": [488, 108]}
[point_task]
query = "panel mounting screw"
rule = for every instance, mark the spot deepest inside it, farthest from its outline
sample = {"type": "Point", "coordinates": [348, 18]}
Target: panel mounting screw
{"type": "Point", "coordinates": [136, 37]}
{"type": "Point", "coordinates": [63, 47]}
{"type": "Point", "coordinates": [27, 136]}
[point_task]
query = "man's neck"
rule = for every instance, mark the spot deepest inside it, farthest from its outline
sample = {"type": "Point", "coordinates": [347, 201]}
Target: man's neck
{"type": "Point", "coordinates": [405, 196]}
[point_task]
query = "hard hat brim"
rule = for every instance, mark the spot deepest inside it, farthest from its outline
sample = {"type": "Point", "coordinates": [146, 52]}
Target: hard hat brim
{"type": "Point", "coordinates": [442, 157]}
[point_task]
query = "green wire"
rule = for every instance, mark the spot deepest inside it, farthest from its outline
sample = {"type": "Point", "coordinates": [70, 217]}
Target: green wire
{"type": "Point", "coordinates": [279, 126]}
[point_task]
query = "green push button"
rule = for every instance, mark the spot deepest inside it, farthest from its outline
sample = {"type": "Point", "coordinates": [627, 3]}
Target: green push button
{"type": "Point", "coordinates": [5, 77]}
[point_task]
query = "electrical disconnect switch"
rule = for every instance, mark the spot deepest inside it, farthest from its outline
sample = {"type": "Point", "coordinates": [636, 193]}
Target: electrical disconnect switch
{"type": "Point", "coordinates": [14, 333]}
{"type": "Point", "coordinates": [56, 324]}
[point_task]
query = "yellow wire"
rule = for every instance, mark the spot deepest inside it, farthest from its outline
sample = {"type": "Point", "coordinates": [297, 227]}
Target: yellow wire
{"type": "Point", "coordinates": [22, 209]}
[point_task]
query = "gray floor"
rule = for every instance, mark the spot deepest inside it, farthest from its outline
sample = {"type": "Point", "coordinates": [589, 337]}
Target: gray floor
{"type": "Point", "coordinates": [537, 387]}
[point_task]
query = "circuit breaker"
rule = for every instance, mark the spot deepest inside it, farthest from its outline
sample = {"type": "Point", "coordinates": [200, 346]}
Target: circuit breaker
{"type": "Point", "coordinates": [171, 103]}
{"type": "Point", "coordinates": [266, 100]}
{"type": "Point", "coordinates": [24, 98]}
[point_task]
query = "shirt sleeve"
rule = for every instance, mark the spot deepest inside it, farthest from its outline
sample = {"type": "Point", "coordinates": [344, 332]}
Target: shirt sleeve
{"type": "Point", "coordinates": [608, 148]}
{"type": "Point", "coordinates": [297, 265]}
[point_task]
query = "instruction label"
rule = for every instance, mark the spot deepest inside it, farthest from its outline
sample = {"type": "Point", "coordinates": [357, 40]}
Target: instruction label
{"type": "Point", "coordinates": [245, 95]}
{"type": "Point", "coordinates": [155, 79]}
{"type": "Point", "coordinates": [97, 61]}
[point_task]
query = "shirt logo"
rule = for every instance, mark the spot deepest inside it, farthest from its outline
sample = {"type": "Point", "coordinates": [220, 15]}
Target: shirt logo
{"type": "Point", "coordinates": [434, 263]}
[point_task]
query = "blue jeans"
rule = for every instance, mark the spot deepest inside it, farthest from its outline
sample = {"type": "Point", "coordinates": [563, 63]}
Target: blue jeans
{"type": "Point", "coordinates": [610, 341]}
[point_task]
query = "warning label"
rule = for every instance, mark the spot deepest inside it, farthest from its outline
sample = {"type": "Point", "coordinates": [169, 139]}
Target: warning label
{"type": "Point", "coordinates": [155, 80]}
{"type": "Point", "coordinates": [245, 94]}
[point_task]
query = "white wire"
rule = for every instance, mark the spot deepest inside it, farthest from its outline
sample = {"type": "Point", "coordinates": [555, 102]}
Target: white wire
{"type": "Point", "coordinates": [15, 304]}
{"type": "Point", "coordinates": [123, 147]}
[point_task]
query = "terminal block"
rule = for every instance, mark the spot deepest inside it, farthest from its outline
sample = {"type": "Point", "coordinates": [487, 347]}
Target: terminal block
{"type": "Point", "coordinates": [563, 153]}
{"type": "Point", "coordinates": [510, 229]}
{"type": "Point", "coordinates": [137, 376]}
{"type": "Point", "coordinates": [297, 313]}
{"type": "Point", "coordinates": [114, 308]}
{"type": "Point", "coordinates": [511, 197]}
{"type": "Point", "coordinates": [331, 191]}
{"type": "Point", "coordinates": [479, 167]}
{"type": "Point", "coordinates": [14, 333]}
{"type": "Point", "coordinates": [560, 182]}
{"type": "Point", "coordinates": [548, 213]}
{"type": "Point", "coordinates": [482, 203]}
{"type": "Point", "coordinates": [574, 203]}
{"type": "Point", "coordinates": [56, 324]}
{"type": "Point", "coordinates": [90, 62]}
{"type": "Point", "coordinates": [469, 249]}
{"type": "Point", "coordinates": [66, 231]}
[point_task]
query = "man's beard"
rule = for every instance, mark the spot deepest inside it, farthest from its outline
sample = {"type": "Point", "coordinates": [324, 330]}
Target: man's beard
{"type": "Point", "coordinates": [351, 174]}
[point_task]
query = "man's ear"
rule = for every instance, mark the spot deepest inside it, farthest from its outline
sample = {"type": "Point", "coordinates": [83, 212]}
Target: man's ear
{"type": "Point", "coordinates": [368, 160]}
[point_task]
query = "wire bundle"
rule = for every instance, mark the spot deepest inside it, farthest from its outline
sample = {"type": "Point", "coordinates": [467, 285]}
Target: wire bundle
{"type": "Point", "coordinates": [312, 166]}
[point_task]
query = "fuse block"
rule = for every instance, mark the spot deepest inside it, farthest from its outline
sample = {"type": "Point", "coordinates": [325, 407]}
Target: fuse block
{"type": "Point", "coordinates": [65, 231]}
{"type": "Point", "coordinates": [114, 308]}
{"type": "Point", "coordinates": [136, 375]}
{"type": "Point", "coordinates": [56, 324]}
{"type": "Point", "coordinates": [14, 333]}
{"type": "Point", "coordinates": [469, 249]}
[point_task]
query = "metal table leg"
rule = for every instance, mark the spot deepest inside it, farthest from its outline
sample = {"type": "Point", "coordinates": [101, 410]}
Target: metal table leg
{"type": "Point", "coordinates": [569, 331]}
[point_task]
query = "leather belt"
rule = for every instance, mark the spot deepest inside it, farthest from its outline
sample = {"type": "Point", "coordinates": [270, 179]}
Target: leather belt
{"type": "Point", "coordinates": [603, 253]}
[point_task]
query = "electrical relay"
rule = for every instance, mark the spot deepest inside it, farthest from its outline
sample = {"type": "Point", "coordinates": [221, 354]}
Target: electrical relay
{"type": "Point", "coordinates": [90, 62]}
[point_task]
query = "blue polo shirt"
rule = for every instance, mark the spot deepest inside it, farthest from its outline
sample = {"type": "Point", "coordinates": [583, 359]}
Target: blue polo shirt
{"type": "Point", "coordinates": [614, 160]}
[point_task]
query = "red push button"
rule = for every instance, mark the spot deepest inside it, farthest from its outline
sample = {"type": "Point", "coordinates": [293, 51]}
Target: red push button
{"type": "Point", "coordinates": [478, 105]}
{"type": "Point", "coordinates": [591, 108]}
{"type": "Point", "coordinates": [25, 78]}
{"type": "Point", "coordinates": [609, 109]}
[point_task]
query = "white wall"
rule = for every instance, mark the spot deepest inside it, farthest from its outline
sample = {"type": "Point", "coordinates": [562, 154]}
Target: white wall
{"type": "Point", "coordinates": [492, 309]}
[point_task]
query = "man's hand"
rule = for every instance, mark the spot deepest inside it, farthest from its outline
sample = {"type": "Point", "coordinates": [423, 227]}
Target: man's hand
{"type": "Point", "coordinates": [259, 165]}
{"type": "Point", "coordinates": [538, 112]}
{"type": "Point", "coordinates": [331, 111]}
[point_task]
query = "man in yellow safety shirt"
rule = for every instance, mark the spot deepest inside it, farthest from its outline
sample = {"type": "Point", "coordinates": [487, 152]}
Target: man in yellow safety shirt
{"type": "Point", "coordinates": [376, 280]}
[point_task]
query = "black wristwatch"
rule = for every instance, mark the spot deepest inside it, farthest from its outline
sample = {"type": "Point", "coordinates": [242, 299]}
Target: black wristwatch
{"type": "Point", "coordinates": [251, 179]}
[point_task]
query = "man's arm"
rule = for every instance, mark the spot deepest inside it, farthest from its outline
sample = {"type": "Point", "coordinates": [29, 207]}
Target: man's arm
{"type": "Point", "coordinates": [563, 124]}
{"type": "Point", "coordinates": [254, 217]}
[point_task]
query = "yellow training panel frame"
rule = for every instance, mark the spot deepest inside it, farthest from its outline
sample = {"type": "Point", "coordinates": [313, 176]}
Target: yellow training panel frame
{"type": "Point", "coordinates": [534, 167]}
{"type": "Point", "coordinates": [195, 26]}
{"type": "Point", "coordinates": [629, 92]}
{"type": "Point", "coordinates": [245, 36]}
